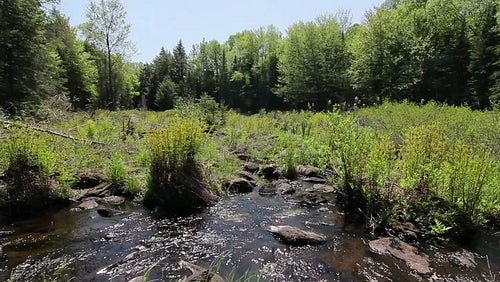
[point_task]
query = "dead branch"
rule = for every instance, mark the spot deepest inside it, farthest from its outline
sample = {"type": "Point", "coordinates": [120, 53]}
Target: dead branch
{"type": "Point", "coordinates": [63, 135]}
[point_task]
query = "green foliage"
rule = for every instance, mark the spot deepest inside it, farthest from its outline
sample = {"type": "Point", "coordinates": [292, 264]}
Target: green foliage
{"type": "Point", "coordinates": [117, 170]}
{"type": "Point", "coordinates": [172, 150]}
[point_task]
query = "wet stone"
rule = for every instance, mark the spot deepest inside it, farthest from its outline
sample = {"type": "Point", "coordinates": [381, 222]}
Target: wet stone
{"type": "Point", "coordinates": [87, 205]}
{"type": "Point", "coordinates": [240, 185]}
{"type": "Point", "coordinates": [306, 171]}
{"type": "Point", "coordinates": [463, 259]}
{"type": "Point", "coordinates": [402, 251]}
{"type": "Point", "coordinates": [296, 237]}
{"type": "Point", "coordinates": [248, 176]}
{"type": "Point", "coordinates": [315, 180]}
{"type": "Point", "coordinates": [285, 188]}
{"type": "Point", "coordinates": [271, 172]}
{"type": "Point", "coordinates": [114, 200]}
{"type": "Point", "coordinates": [251, 167]}
{"type": "Point", "coordinates": [267, 189]}
{"type": "Point", "coordinates": [104, 212]}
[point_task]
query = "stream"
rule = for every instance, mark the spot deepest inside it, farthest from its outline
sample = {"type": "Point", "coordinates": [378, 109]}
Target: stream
{"type": "Point", "coordinates": [83, 246]}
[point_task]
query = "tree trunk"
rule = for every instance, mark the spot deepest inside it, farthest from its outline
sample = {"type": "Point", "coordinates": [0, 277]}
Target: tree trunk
{"type": "Point", "coordinates": [111, 97]}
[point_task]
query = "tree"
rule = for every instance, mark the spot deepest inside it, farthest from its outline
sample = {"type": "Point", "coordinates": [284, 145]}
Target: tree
{"type": "Point", "coordinates": [26, 65]}
{"type": "Point", "coordinates": [108, 30]}
{"type": "Point", "coordinates": [79, 70]}
{"type": "Point", "coordinates": [313, 65]}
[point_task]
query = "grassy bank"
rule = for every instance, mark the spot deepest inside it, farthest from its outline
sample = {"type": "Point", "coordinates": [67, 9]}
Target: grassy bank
{"type": "Point", "coordinates": [435, 166]}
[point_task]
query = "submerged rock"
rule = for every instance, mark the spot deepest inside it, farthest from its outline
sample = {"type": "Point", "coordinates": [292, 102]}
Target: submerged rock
{"type": "Point", "coordinates": [105, 212]}
{"type": "Point", "coordinates": [88, 205]}
{"type": "Point", "coordinates": [267, 189]}
{"type": "Point", "coordinates": [200, 273]}
{"type": "Point", "coordinates": [240, 185]}
{"type": "Point", "coordinates": [402, 251]}
{"type": "Point", "coordinates": [296, 237]}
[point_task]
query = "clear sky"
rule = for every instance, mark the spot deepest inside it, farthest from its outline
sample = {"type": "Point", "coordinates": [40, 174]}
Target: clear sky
{"type": "Point", "coordinates": [157, 23]}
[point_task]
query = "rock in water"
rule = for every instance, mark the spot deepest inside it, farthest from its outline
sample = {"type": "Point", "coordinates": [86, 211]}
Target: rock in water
{"type": "Point", "coordinates": [402, 251]}
{"type": "Point", "coordinates": [114, 200]}
{"type": "Point", "coordinates": [267, 189]}
{"type": "Point", "coordinates": [271, 172]}
{"type": "Point", "coordinates": [87, 205]}
{"type": "Point", "coordinates": [296, 237]}
{"type": "Point", "coordinates": [106, 212]}
{"type": "Point", "coordinates": [200, 273]}
{"type": "Point", "coordinates": [285, 188]}
{"type": "Point", "coordinates": [240, 185]}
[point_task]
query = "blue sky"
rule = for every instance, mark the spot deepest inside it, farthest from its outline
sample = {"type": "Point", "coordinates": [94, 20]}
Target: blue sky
{"type": "Point", "coordinates": [157, 23]}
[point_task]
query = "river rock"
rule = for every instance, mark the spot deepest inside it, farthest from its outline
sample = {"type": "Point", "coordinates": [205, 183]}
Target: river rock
{"type": "Point", "coordinates": [315, 180]}
{"type": "Point", "coordinates": [463, 259]}
{"type": "Point", "coordinates": [267, 189]}
{"type": "Point", "coordinates": [251, 167]}
{"type": "Point", "coordinates": [114, 200]}
{"type": "Point", "coordinates": [104, 212]}
{"type": "Point", "coordinates": [306, 171]}
{"type": "Point", "coordinates": [285, 188]}
{"type": "Point", "coordinates": [402, 251]}
{"type": "Point", "coordinates": [271, 172]}
{"type": "Point", "coordinates": [89, 180]}
{"type": "Point", "coordinates": [240, 185]}
{"type": "Point", "coordinates": [296, 237]}
{"type": "Point", "coordinates": [321, 188]}
{"type": "Point", "coordinates": [87, 205]}
{"type": "Point", "coordinates": [248, 176]}
{"type": "Point", "coordinates": [200, 273]}
{"type": "Point", "coordinates": [100, 191]}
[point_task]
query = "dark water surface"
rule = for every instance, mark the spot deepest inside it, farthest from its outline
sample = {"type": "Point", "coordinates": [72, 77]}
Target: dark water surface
{"type": "Point", "coordinates": [83, 246]}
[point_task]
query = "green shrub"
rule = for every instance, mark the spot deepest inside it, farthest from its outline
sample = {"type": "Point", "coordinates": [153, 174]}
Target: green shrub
{"type": "Point", "coordinates": [117, 170]}
{"type": "Point", "coordinates": [32, 172]}
{"type": "Point", "coordinates": [172, 153]}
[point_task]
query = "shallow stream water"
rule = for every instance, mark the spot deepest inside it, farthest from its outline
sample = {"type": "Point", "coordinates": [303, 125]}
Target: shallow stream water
{"type": "Point", "coordinates": [83, 246]}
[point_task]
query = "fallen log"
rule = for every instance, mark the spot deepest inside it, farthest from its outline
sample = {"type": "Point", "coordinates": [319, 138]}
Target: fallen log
{"type": "Point", "coordinates": [60, 134]}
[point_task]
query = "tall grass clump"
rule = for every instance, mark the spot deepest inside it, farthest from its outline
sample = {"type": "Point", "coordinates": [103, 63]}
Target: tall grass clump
{"type": "Point", "coordinates": [175, 179]}
{"type": "Point", "coordinates": [31, 173]}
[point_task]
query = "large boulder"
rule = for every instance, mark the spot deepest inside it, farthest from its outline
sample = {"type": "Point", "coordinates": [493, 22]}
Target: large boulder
{"type": "Point", "coordinates": [240, 185]}
{"type": "Point", "coordinates": [403, 251]}
{"type": "Point", "coordinates": [296, 237]}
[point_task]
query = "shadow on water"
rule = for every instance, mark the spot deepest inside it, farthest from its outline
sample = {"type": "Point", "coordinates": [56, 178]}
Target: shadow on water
{"type": "Point", "coordinates": [85, 246]}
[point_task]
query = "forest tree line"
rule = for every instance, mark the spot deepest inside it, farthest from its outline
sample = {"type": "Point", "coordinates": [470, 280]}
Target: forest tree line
{"type": "Point", "coordinates": [416, 50]}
